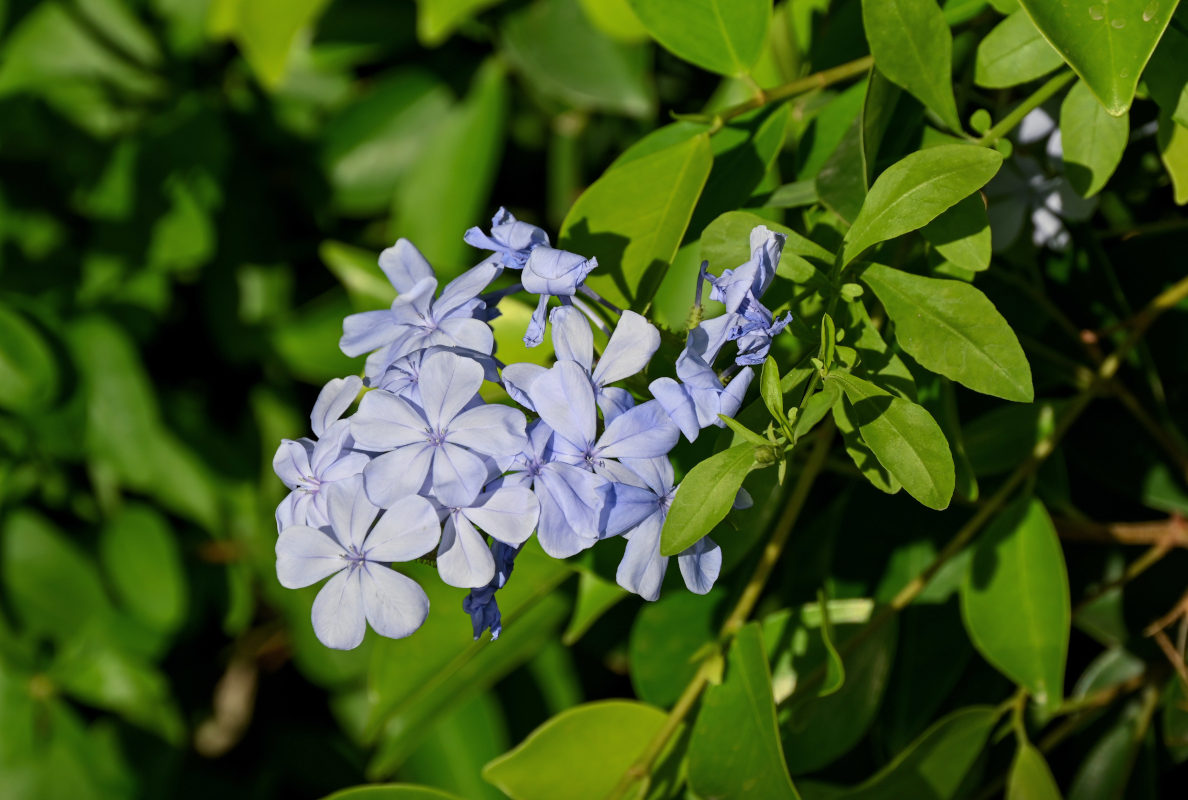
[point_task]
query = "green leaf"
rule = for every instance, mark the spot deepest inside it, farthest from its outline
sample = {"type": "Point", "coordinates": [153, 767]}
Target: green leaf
{"type": "Point", "coordinates": [1107, 44]}
{"type": "Point", "coordinates": [634, 217]}
{"type": "Point", "coordinates": [616, 19]}
{"type": "Point", "coordinates": [913, 47]}
{"type": "Point", "coordinates": [392, 791]}
{"type": "Point", "coordinates": [1166, 75]}
{"type": "Point", "coordinates": [951, 328]}
{"type": "Point", "coordinates": [434, 202]}
{"type": "Point", "coordinates": [595, 596]}
{"type": "Point", "coordinates": [816, 408]}
{"type": "Point", "coordinates": [666, 639]}
{"type": "Point", "coordinates": [961, 235]}
{"type": "Point", "coordinates": [841, 182]}
{"type": "Point", "coordinates": [880, 364]}
{"type": "Point", "coordinates": [1030, 778]}
{"type": "Point", "coordinates": [266, 30]}
{"type": "Point", "coordinates": [816, 731]}
{"type": "Point", "coordinates": [743, 432]}
{"type": "Point", "coordinates": [1014, 52]}
{"type": "Point", "coordinates": [904, 438]}
{"type": "Point", "coordinates": [723, 36]}
{"type": "Point", "coordinates": [28, 370]}
{"type": "Point", "coordinates": [557, 50]}
{"type": "Point", "coordinates": [1093, 140]}
{"type": "Point", "coordinates": [580, 753]}
{"type": "Point", "coordinates": [704, 497]}
{"type": "Point", "coordinates": [455, 747]}
{"type": "Point", "coordinates": [998, 441]}
{"type": "Point", "coordinates": [371, 143]}
{"type": "Point", "coordinates": [835, 670]}
{"type": "Point", "coordinates": [438, 19]}
{"type": "Point", "coordinates": [1105, 770]}
{"type": "Point", "coordinates": [1173, 151]}
{"type": "Point", "coordinates": [54, 588]}
{"type": "Point", "coordinates": [934, 766]}
{"type": "Point", "coordinates": [142, 558]}
{"type": "Point", "coordinates": [735, 747]}
{"type": "Point", "coordinates": [857, 448]}
{"type": "Point", "coordinates": [1015, 600]}
{"type": "Point", "coordinates": [915, 190]}
{"type": "Point", "coordinates": [769, 388]}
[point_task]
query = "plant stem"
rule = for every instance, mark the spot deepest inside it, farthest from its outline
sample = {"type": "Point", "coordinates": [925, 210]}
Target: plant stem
{"type": "Point", "coordinates": [742, 609]}
{"type": "Point", "coordinates": [818, 80]}
{"type": "Point", "coordinates": [1036, 99]}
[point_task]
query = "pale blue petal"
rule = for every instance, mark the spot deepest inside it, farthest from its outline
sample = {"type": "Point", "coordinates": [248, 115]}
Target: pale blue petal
{"type": "Point", "coordinates": [394, 604]}
{"type": "Point", "coordinates": [508, 514]}
{"type": "Point", "coordinates": [494, 430]}
{"type": "Point", "coordinates": [614, 401]}
{"type": "Point", "coordinates": [642, 568]}
{"type": "Point", "coordinates": [397, 474]}
{"type": "Point", "coordinates": [328, 449]}
{"type": "Point", "coordinates": [517, 378]}
{"type": "Point", "coordinates": [564, 399]}
{"type": "Point", "coordinates": [404, 265]}
{"type": "Point", "coordinates": [305, 556]}
{"type": "Point", "coordinates": [367, 331]}
{"type": "Point", "coordinates": [536, 325]}
{"type": "Point", "coordinates": [463, 559]}
{"type": "Point", "coordinates": [334, 399]}
{"type": "Point", "coordinates": [643, 432]}
{"type": "Point", "coordinates": [408, 529]}
{"type": "Point", "coordinates": [631, 347]}
{"type": "Point", "coordinates": [458, 475]}
{"type": "Point", "coordinates": [555, 272]}
{"type": "Point", "coordinates": [465, 332]}
{"type": "Point", "coordinates": [385, 421]}
{"type": "Point", "coordinates": [677, 402]}
{"type": "Point", "coordinates": [350, 511]}
{"type": "Point", "coordinates": [571, 506]}
{"type": "Point", "coordinates": [291, 462]}
{"type": "Point", "coordinates": [465, 288]}
{"type": "Point", "coordinates": [573, 340]}
{"type": "Point", "coordinates": [656, 473]}
{"type": "Point", "coordinates": [447, 383]}
{"type": "Point", "coordinates": [730, 401]}
{"type": "Point", "coordinates": [339, 620]}
{"type": "Point", "coordinates": [700, 565]}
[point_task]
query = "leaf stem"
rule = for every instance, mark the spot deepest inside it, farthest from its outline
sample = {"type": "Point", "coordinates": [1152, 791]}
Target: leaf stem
{"type": "Point", "coordinates": [1036, 99]}
{"type": "Point", "coordinates": [642, 767]}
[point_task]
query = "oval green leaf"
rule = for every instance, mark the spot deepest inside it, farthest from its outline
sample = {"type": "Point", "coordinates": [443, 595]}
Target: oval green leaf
{"type": "Point", "coordinates": [1107, 44]}
{"type": "Point", "coordinates": [961, 235]}
{"type": "Point", "coordinates": [1030, 778]}
{"type": "Point", "coordinates": [735, 748]}
{"type": "Point", "coordinates": [1014, 52]}
{"type": "Point", "coordinates": [578, 754]}
{"type": "Point", "coordinates": [915, 190]}
{"type": "Point", "coordinates": [904, 438]}
{"type": "Point", "coordinates": [704, 497]}
{"type": "Point", "coordinates": [140, 554]}
{"type": "Point", "coordinates": [634, 217]}
{"type": "Point", "coordinates": [951, 328]}
{"type": "Point", "coordinates": [1092, 138]}
{"type": "Point", "coordinates": [912, 46]}
{"type": "Point", "coordinates": [1015, 600]}
{"type": "Point", "coordinates": [723, 36]}
{"type": "Point", "coordinates": [28, 371]}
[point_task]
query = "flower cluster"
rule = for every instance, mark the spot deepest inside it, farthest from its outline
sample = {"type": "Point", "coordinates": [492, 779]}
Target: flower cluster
{"type": "Point", "coordinates": [424, 467]}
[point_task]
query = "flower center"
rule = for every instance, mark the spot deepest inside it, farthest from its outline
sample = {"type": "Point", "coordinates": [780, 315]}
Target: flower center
{"type": "Point", "coordinates": [435, 437]}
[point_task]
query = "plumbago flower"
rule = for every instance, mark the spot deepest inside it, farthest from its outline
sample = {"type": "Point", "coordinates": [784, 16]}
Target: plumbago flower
{"type": "Point", "coordinates": [307, 466]}
{"type": "Point", "coordinates": [364, 588]}
{"type": "Point", "coordinates": [466, 483]}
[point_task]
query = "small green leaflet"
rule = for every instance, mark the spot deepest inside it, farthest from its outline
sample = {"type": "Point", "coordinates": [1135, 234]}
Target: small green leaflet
{"type": "Point", "coordinates": [704, 497]}
{"type": "Point", "coordinates": [904, 438]}
{"type": "Point", "coordinates": [951, 328]}
{"type": "Point", "coordinates": [915, 190]}
{"type": "Point", "coordinates": [1030, 778]}
{"type": "Point", "coordinates": [722, 36]}
{"type": "Point", "coordinates": [1093, 140]}
{"type": "Point", "coordinates": [1013, 53]}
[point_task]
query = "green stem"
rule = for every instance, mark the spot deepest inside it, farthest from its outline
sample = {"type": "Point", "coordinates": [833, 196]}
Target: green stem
{"type": "Point", "coordinates": [818, 80]}
{"type": "Point", "coordinates": [1036, 99]}
{"type": "Point", "coordinates": [642, 768]}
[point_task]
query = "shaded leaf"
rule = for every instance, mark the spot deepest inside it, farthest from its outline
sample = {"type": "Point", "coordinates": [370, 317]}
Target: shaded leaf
{"type": "Point", "coordinates": [704, 497]}
{"type": "Point", "coordinates": [961, 235]}
{"type": "Point", "coordinates": [1092, 139]}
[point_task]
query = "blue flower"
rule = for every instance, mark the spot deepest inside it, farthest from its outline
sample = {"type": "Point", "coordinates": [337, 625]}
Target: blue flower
{"type": "Point", "coordinates": [552, 273]}
{"type": "Point", "coordinates": [307, 466]}
{"type": "Point", "coordinates": [646, 491]}
{"type": "Point", "coordinates": [402, 376]}
{"type": "Point", "coordinates": [571, 498]}
{"type": "Point", "coordinates": [511, 239]}
{"type": "Point", "coordinates": [507, 513]}
{"type": "Point", "coordinates": [740, 287]}
{"type": "Point", "coordinates": [754, 332]}
{"type": "Point", "coordinates": [696, 401]}
{"type": "Point", "coordinates": [416, 320]}
{"type": "Point", "coordinates": [564, 398]}
{"type": "Point", "coordinates": [480, 604]}
{"type": "Point", "coordinates": [442, 446]}
{"type": "Point", "coordinates": [364, 588]}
